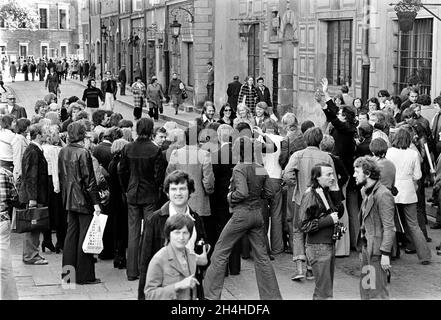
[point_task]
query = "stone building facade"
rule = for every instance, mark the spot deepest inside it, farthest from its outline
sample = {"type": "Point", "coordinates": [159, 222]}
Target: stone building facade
{"type": "Point", "coordinates": [293, 44]}
{"type": "Point", "coordinates": [57, 36]}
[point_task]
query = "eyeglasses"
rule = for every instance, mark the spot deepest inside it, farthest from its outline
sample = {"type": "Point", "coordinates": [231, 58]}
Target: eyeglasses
{"type": "Point", "coordinates": [227, 110]}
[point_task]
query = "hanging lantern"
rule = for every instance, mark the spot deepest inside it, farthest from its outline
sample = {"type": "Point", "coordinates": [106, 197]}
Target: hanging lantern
{"type": "Point", "coordinates": [407, 11]}
{"type": "Point", "coordinates": [175, 28]}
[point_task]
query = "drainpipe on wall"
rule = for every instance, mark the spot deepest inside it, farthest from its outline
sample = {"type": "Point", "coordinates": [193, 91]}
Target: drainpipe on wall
{"type": "Point", "coordinates": [366, 64]}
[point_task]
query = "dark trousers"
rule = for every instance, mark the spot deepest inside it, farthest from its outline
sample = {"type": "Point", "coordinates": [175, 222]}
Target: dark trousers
{"type": "Point", "coordinates": [153, 111]}
{"type": "Point", "coordinates": [373, 279]}
{"type": "Point", "coordinates": [108, 239]}
{"type": "Point", "coordinates": [210, 92]}
{"type": "Point", "coordinates": [74, 259]}
{"type": "Point", "coordinates": [210, 229]}
{"type": "Point", "coordinates": [41, 75]}
{"type": "Point", "coordinates": [120, 231]}
{"type": "Point", "coordinates": [136, 214]}
{"type": "Point", "coordinates": [60, 76]}
{"type": "Point", "coordinates": [122, 90]}
{"type": "Point", "coordinates": [353, 203]}
{"type": "Point", "coordinates": [249, 222]}
{"type": "Point", "coordinates": [221, 217]}
{"type": "Point", "coordinates": [421, 204]}
{"type": "Point", "coordinates": [322, 260]}
{"type": "Point", "coordinates": [26, 76]}
{"type": "Point", "coordinates": [57, 217]}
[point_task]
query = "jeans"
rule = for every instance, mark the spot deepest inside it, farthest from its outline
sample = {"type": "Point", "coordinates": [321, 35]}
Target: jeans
{"type": "Point", "coordinates": [290, 214]}
{"type": "Point", "coordinates": [8, 288]}
{"type": "Point", "coordinates": [322, 259]}
{"type": "Point", "coordinates": [298, 240]}
{"type": "Point", "coordinates": [412, 229]}
{"type": "Point", "coordinates": [275, 203]}
{"type": "Point", "coordinates": [136, 214]}
{"type": "Point", "coordinates": [242, 222]}
{"type": "Point", "coordinates": [373, 279]}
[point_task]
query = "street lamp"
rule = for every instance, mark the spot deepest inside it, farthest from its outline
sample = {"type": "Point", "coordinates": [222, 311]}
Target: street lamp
{"type": "Point", "coordinates": [407, 11]}
{"type": "Point", "coordinates": [175, 28]}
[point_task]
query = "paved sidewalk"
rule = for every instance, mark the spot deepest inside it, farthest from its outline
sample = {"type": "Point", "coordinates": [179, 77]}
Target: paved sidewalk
{"type": "Point", "coordinates": [182, 118]}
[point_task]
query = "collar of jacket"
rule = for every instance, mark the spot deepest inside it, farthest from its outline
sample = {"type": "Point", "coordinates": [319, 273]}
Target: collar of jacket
{"type": "Point", "coordinates": [164, 211]}
{"type": "Point", "coordinates": [75, 145]}
{"type": "Point", "coordinates": [370, 199]}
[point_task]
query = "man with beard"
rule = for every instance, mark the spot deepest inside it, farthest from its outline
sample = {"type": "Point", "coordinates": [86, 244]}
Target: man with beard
{"type": "Point", "coordinates": [377, 230]}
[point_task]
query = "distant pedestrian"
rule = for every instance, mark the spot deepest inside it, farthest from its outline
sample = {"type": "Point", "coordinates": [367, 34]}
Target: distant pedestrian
{"type": "Point", "coordinates": [13, 71]}
{"type": "Point", "coordinates": [210, 82]}
{"type": "Point", "coordinates": [122, 78]}
{"type": "Point", "coordinates": [248, 94]}
{"type": "Point", "coordinates": [92, 95]}
{"type": "Point", "coordinates": [92, 71]}
{"type": "Point", "coordinates": [233, 92]}
{"type": "Point", "coordinates": [175, 91]}
{"type": "Point", "coordinates": [41, 70]}
{"type": "Point", "coordinates": [109, 88]}
{"type": "Point", "coordinates": [52, 82]}
{"type": "Point", "coordinates": [154, 98]}
{"type": "Point", "coordinates": [32, 69]}
{"type": "Point", "coordinates": [139, 95]}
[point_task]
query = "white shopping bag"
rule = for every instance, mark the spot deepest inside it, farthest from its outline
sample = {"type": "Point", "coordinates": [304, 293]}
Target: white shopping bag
{"type": "Point", "coordinates": [93, 242]}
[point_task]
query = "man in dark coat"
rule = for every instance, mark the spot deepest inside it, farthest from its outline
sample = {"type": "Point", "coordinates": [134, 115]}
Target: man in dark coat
{"type": "Point", "coordinates": [86, 68]}
{"type": "Point", "coordinates": [122, 78]}
{"type": "Point", "coordinates": [14, 109]}
{"type": "Point", "coordinates": [178, 185]}
{"type": "Point", "coordinates": [263, 93]}
{"type": "Point", "coordinates": [141, 171]}
{"type": "Point", "coordinates": [52, 81]}
{"type": "Point", "coordinates": [34, 191]}
{"type": "Point", "coordinates": [25, 70]}
{"type": "Point", "coordinates": [233, 92]}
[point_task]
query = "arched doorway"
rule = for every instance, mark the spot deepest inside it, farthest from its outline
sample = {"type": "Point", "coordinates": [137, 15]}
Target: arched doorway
{"type": "Point", "coordinates": [286, 92]}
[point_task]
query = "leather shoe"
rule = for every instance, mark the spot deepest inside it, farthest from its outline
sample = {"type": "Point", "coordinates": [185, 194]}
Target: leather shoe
{"type": "Point", "coordinates": [436, 226]}
{"type": "Point", "coordinates": [132, 278]}
{"type": "Point", "coordinates": [271, 257]}
{"type": "Point", "coordinates": [428, 239]}
{"type": "Point", "coordinates": [408, 251]}
{"type": "Point", "coordinates": [425, 263]}
{"type": "Point", "coordinates": [95, 281]}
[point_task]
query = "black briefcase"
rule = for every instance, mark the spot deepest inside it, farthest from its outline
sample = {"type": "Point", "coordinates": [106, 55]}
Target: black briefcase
{"type": "Point", "coordinates": [32, 219]}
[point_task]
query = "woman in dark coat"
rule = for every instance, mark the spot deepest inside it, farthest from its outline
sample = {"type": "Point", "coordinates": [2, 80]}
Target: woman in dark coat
{"type": "Point", "coordinates": [81, 200]}
{"type": "Point", "coordinates": [118, 207]}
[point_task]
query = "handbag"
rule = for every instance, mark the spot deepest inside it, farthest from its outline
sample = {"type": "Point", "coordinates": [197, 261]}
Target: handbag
{"type": "Point", "coordinates": [184, 94]}
{"type": "Point", "coordinates": [31, 219]}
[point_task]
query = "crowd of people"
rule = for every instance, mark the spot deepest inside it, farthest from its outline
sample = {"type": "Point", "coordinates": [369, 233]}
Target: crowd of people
{"type": "Point", "coordinates": [185, 205]}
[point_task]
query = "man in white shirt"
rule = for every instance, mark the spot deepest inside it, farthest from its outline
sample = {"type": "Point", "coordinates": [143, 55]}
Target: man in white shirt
{"type": "Point", "coordinates": [272, 166]}
{"type": "Point", "coordinates": [6, 137]}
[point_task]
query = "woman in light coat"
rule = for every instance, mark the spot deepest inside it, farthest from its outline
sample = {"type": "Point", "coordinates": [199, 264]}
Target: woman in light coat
{"type": "Point", "coordinates": [171, 272]}
{"type": "Point", "coordinates": [408, 162]}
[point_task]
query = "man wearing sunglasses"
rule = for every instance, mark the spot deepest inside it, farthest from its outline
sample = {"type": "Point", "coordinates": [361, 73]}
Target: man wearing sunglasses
{"type": "Point", "coordinates": [13, 109]}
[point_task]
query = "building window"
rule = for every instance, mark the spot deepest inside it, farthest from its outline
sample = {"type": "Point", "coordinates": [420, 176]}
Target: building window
{"type": "Point", "coordinates": [62, 18]}
{"type": "Point", "coordinates": [63, 51]}
{"type": "Point", "coordinates": [2, 50]}
{"type": "Point", "coordinates": [415, 56]}
{"type": "Point", "coordinates": [253, 51]}
{"type": "Point", "coordinates": [2, 23]}
{"type": "Point", "coordinates": [339, 64]}
{"type": "Point", "coordinates": [43, 18]}
{"type": "Point", "coordinates": [44, 50]}
{"type": "Point", "coordinates": [137, 5]}
{"type": "Point", "coordinates": [23, 51]}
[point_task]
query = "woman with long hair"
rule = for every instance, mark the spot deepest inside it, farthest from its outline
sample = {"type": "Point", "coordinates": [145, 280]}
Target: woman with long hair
{"type": "Point", "coordinates": [226, 114]}
{"type": "Point", "coordinates": [248, 94]}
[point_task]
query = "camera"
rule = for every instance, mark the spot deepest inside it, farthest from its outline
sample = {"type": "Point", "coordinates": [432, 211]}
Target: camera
{"type": "Point", "coordinates": [339, 231]}
{"type": "Point", "coordinates": [199, 246]}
